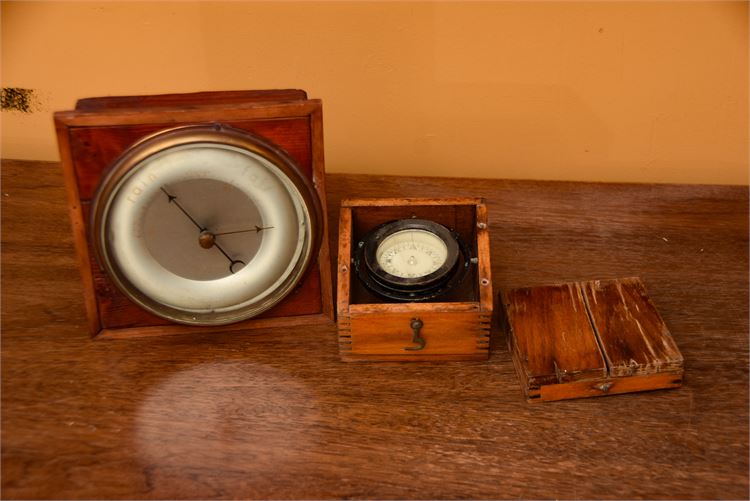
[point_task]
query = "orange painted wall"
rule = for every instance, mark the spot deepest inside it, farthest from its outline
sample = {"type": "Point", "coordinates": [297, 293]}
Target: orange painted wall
{"type": "Point", "coordinates": [596, 91]}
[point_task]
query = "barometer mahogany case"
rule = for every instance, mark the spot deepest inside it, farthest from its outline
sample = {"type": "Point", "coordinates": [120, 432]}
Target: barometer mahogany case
{"type": "Point", "coordinates": [197, 154]}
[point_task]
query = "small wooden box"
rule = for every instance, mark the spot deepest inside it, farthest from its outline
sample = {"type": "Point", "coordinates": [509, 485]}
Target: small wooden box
{"type": "Point", "coordinates": [589, 339]}
{"type": "Point", "coordinates": [456, 328]}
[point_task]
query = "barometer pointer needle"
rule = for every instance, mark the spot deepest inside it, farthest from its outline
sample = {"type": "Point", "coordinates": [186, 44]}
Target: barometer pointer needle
{"type": "Point", "coordinates": [257, 229]}
{"type": "Point", "coordinates": [173, 200]}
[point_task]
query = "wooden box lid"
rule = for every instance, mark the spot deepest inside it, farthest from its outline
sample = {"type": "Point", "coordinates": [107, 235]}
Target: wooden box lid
{"type": "Point", "coordinates": [587, 339]}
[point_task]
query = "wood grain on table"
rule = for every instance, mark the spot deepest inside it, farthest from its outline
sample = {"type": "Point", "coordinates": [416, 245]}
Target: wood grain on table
{"type": "Point", "coordinates": [275, 414]}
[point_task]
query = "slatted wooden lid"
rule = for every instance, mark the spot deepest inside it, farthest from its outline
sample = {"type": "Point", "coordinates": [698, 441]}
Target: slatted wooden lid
{"type": "Point", "coordinates": [588, 331]}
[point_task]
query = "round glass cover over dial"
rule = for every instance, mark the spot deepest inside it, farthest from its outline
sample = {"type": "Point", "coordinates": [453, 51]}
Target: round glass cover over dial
{"type": "Point", "coordinates": [411, 253]}
{"type": "Point", "coordinates": [410, 259]}
{"type": "Point", "coordinates": [205, 224]}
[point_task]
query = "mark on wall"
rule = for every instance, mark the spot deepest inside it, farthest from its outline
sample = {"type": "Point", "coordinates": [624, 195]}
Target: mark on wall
{"type": "Point", "coordinates": [18, 99]}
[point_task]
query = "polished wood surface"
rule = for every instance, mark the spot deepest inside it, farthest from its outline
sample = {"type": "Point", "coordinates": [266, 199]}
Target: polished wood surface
{"type": "Point", "coordinates": [96, 148]}
{"type": "Point", "coordinates": [275, 414]}
{"type": "Point", "coordinates": [237, 97]}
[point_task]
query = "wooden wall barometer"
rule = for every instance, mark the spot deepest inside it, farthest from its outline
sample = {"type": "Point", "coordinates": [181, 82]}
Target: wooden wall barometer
{"type": "Point", "coordinates": [197, 211]}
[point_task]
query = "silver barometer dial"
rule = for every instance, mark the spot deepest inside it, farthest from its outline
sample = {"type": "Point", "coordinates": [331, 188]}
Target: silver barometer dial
{"type": "Point", "coordinates": [206, 224]}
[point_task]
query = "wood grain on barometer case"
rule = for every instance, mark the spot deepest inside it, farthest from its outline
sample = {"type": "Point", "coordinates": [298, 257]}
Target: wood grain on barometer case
{"type": "Point", "coordinates": [275, 414]}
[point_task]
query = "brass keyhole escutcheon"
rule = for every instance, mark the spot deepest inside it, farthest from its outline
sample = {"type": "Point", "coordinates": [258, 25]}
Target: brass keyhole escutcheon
{"type": "Point", "coordinates": [604, 387]}
{"type": "Point", "coordinates": [416, 338]}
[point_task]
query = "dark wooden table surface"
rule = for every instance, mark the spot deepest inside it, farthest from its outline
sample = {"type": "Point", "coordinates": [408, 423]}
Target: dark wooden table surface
{"type": "Point", "coordinates": [274, 414]}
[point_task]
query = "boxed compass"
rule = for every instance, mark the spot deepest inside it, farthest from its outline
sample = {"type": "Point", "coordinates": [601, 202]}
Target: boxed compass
{"type": "Point", "coordinates": [414, 280]}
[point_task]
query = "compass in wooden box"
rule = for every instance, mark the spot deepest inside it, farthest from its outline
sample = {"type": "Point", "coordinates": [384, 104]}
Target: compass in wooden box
{"type": "Point", "coordinates": [198, 212]}
{"type": "Point", "coordinates": [414, 280]}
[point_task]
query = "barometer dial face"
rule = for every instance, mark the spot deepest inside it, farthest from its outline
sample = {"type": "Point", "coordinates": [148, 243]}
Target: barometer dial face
{"type": "Point", "coordinates": [409, 259]}
{"type": "Point", "coordinates": [205, 225]}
